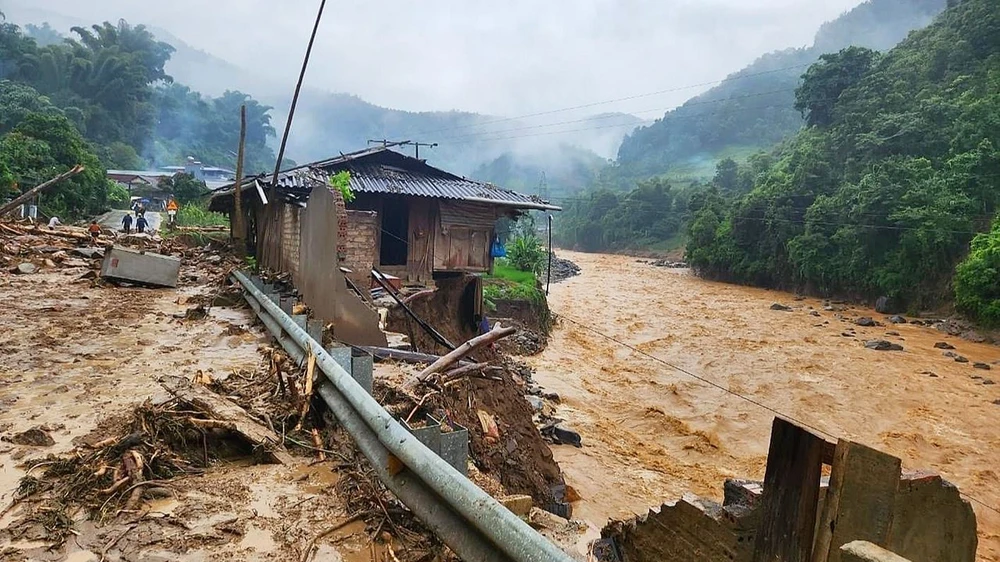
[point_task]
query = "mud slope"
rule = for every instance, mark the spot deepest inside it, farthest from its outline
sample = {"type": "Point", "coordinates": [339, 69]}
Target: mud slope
{"type": "Point", "coordinates": [652, 433]}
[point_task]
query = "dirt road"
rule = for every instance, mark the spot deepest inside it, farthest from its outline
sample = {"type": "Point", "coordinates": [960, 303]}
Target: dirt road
{"type": "Point", "coordinates": [652, 433]}
{"type": "Point", "coordinates": [73, 355]}
{"type": "Point", "coordinates": [113, 220]}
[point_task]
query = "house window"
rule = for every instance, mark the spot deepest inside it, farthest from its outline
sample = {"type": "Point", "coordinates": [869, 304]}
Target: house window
{"type": "Point", "coordinates": [395, 231]}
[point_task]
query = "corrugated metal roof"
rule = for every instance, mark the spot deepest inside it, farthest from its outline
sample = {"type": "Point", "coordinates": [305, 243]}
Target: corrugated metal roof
{"type": "Point", "coordinates": [379, 170]}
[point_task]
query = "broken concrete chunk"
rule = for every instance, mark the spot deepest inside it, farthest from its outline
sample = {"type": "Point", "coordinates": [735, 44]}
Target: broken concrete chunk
{"type": "Point", "coordinates": [25, 269]}
{"type": "Point", "coordinates": [883, 345]}
{"type": "Point", "coordinates": [779, 306]}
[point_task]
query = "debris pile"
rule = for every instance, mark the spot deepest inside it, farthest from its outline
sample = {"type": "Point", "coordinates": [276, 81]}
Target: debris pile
{"type": "Point", "coordinates": [562, 269]}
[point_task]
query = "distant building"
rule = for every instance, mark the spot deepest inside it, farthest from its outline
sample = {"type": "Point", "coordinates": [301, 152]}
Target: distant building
{"type": "Point", "coordinates": [146, 183]}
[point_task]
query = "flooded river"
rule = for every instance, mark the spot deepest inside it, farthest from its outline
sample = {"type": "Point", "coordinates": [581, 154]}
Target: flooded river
{"type": "Point", "coordinates": [652, 432]}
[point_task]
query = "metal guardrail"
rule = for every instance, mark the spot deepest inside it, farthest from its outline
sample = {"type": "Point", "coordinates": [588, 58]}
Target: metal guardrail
{"type": "Point", "coordinates": [473, 524]}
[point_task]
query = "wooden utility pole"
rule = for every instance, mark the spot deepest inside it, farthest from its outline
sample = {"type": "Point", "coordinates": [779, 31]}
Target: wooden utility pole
{"type": "Point", "coordinates": [238, 230]}
{"type": "Point", "coordinates": [39, 188]}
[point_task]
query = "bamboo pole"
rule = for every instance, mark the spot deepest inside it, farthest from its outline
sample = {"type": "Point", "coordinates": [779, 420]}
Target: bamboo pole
{"type": "Point", "coordinates": [236, 222]}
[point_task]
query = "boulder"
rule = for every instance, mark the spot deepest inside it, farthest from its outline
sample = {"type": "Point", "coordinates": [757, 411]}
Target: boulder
{"type": "Point", "coordinates": [865, 321]}
{"type": "Point", "coordinates": [36, 437]}
{"type": "Point", "coordinates": [883, 345]}
{"type": "Point", "coordinates": [981, 365]}
{"type": "Point", "coordinates": [25, 268]}
{"type": "Point", "coordinates": [943, 345]}
{"type": "Point", "coordinates": [896, 319]}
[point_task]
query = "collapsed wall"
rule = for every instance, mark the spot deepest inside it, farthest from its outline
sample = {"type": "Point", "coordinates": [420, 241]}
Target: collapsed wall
{"type": "Point", "coordinates": [931, 523]}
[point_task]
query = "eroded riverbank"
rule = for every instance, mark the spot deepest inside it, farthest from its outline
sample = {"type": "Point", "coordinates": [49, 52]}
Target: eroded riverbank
{"type": "Point", "coordinates": [652, 433]}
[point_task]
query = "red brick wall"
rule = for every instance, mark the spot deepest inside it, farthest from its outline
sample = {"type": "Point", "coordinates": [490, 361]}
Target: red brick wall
{"type": "Point", "coordinates": [361, 234]}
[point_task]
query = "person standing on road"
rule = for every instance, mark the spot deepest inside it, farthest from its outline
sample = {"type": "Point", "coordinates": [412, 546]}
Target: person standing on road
{"type": "Point", "coordinates": [140, 224]}
{"type": "Point", "coordinates": [127, 223]}
{"type": "Point", "coordinates": [95, 230]}
{"type": "Point", "coordinates": [171, 212]}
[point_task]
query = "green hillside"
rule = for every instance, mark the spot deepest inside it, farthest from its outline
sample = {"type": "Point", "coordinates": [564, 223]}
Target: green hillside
{"type": "Point", "coordinates": [754, 107]}
{"type": "Point", "coordinates": [885, 189]}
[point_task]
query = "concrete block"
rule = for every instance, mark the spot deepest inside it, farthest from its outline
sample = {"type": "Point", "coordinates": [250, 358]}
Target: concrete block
{"type": "Point", "coordinates": [519, 505]}
{"type": "Point", "coordinates": [932, 522]}
{"type": "Point", "coordinates": [140, 266]}
{"type": "Point", "coordinates": [363, 371]}
{"type": "Point", "coordinates": [315, 328]}
{"type": "Point", "coordinates": [860, 501]}
{"type": "Point", "coordinates": [864, 551]}
{"type": "Point", "coordinates": [342, 355]}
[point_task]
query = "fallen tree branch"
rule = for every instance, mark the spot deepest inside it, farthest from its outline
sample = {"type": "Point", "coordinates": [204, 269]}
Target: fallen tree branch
{"type": "Point", "coordinates": [39, 188]}
{"type": "Point", "coordinates": [461, 351]}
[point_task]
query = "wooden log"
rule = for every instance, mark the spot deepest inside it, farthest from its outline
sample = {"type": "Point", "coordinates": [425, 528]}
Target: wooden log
{"type": "Point", "coordinates": [39, 188]}
{"type": "Point", "coordinates": [219, 408]}
{"type": "Point", "coordinates": [307, 398]}
{"type": "Point", "coordinates": [461, 351]}
{"type": "Point", "coordinates": [462, 371]}
{"type": "Point", "coordinates": [791, 495]}
{"type": "Point", "coordinates": [388, 353]}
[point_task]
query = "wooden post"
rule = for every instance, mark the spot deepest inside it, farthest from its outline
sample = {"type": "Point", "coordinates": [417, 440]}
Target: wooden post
{"type": "Point", "coordinates": [39, 188]}
{"type": "Point", "coordinates": [791, 495]}
{"type": "Point", "coordinates": [860, 501]}
{"type": "Point", "coordinates": [238, 229]}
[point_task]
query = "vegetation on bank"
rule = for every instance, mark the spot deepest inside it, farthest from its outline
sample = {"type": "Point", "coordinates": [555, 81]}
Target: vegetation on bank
{"type": "Point", "coordinates": [515, 276]}
{"type": "Point", "coordinates": [883, 192]}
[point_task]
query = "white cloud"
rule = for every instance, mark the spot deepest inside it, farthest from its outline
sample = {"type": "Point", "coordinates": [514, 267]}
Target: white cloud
{"type": "Point", "coordinates": [511, 57]}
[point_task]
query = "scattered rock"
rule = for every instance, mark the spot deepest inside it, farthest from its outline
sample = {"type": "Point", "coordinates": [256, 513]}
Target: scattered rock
{"type": "Point", "coordinates": [981, 365]}
{"type": "Point", "coordinates": [779, 306]}
{"type": "Point", "coordinates": [988, 381]}
{"type": "Point", "coordinates": [866, 321]}
{"type": "Point", "coordinates": [960, 359]}
{"type": "Point", "coordinates": [847, 334]}
{"type": "Point", "coordinates": [917, 322]}
{"type": "Point", "coordinates": [562, 436]}
{"type": "Point", "coordinates": [89, 253]}
{"type": "Point", "coordinates": [536, 403]}
{"type": "Point", "coordinates": [669, 263]}
{"type": "Point", "coordinates": [950, 354]}
{"type": "Point", "coordinates": [561, 269]}
{"type": "Point", "coordinates": [932, 375]}
{"type": "Point", "coordinates": [25, 269]}
{"type": "Point", "coordinates": [892, 333]}
{"type": "Point", "coordinates": [883, 345]}
{"type": "Point", "coordinates": [896, 319]}
{"type": "Point", "coordinates": [943, 345]}
{"type": "Point", "coordinates": [214, 259]}
{"type": "Point", "coordinates": [48, 263]}
{"type": "Point", "coordinates": [552, 396]}
{"type": "Point", "coordinates": [997, 401]}
{"type": "Point", "coordinates": [814, 313]}
{"type": "Point", "coordinates": [35, 437]}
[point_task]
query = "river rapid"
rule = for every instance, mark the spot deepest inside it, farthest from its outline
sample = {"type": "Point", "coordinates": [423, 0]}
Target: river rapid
{"type": "Point", "coordinates": [652, 433]}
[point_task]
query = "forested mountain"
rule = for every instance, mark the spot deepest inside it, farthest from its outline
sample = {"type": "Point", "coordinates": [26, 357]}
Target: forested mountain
{"type": "Point", "coordinates": [572, 170]}
{"type": "Point", "coordinates": [885, 189]}
{"type": "Point", "coordinates": [754, 107]}
{"type": "Point", "coordinates": [103, 98]}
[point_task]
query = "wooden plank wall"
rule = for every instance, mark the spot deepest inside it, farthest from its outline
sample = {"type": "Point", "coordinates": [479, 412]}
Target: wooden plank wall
{"type": "Point", "coordinates": [420, 246]}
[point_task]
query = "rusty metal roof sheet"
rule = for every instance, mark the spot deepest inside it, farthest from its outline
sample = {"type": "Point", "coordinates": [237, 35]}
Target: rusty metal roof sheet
{"type": "Point", "coordinates": [380, 170]}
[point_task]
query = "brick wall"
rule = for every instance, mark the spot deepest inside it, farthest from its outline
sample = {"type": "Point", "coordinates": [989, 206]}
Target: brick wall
{"type": "Point", "coordinates": [359, 245]}
{"type": "Point", "coordinates": [290, 238]}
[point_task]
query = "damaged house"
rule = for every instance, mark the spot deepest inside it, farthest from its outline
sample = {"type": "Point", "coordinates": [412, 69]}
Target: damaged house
{"type": "Point", "coordinates": [407, 218]}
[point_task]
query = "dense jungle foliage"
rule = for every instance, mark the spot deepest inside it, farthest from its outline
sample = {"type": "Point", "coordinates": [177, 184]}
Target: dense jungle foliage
{"type": "Point", "coordinates": [103, 99]}
{"type": "Point", "coordinates": [883, 192]}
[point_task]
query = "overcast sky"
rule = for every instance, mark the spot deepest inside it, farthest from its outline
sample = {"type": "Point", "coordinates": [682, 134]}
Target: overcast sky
{"type": "Point", "coordinates": [505, 57]}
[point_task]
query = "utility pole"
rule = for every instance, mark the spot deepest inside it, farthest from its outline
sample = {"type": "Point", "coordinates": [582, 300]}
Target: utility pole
{"type": "Point", "coordinates": [418, 144]}
{"type": "Point", "coordinates": [387, 143]}
{"type": "Point", "coordinates": [236, 226]}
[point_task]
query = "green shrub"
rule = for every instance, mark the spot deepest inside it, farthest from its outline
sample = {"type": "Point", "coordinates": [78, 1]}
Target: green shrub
{"type": "Point", "coordinates": [197, 214]}
{"type": "Point", "coordinates": [341, 181]}
{"type": "Point", "coordinates": [526, 254]}
{"type": "Point", "coordinates": [977, 279]}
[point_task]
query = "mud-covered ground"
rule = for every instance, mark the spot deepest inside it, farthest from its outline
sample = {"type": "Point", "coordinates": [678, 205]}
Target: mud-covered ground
{"type": "Point", "coordinates": [73, 355]}
{"type": "Point", "coordinates": [651, 433]}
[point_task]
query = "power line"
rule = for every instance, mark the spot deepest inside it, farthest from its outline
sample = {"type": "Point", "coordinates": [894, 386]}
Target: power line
{"type": "Point", "coordinates": [727, 390]}
{"type": "Point", "coordinates": [616, 100]}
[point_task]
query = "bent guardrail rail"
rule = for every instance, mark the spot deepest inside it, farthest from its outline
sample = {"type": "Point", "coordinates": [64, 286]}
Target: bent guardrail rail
{"type": "Point", "coordinates": [472, 523]}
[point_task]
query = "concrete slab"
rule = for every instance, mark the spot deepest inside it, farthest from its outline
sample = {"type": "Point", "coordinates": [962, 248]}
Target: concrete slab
{"type": "Point", "coordinates": [863, 551]}
{"type": "Point", "coordinates": [139, 266]}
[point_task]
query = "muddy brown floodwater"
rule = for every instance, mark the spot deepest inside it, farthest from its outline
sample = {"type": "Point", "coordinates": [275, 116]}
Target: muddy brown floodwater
{"type": "Point", "coordinates": [651, 433]}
